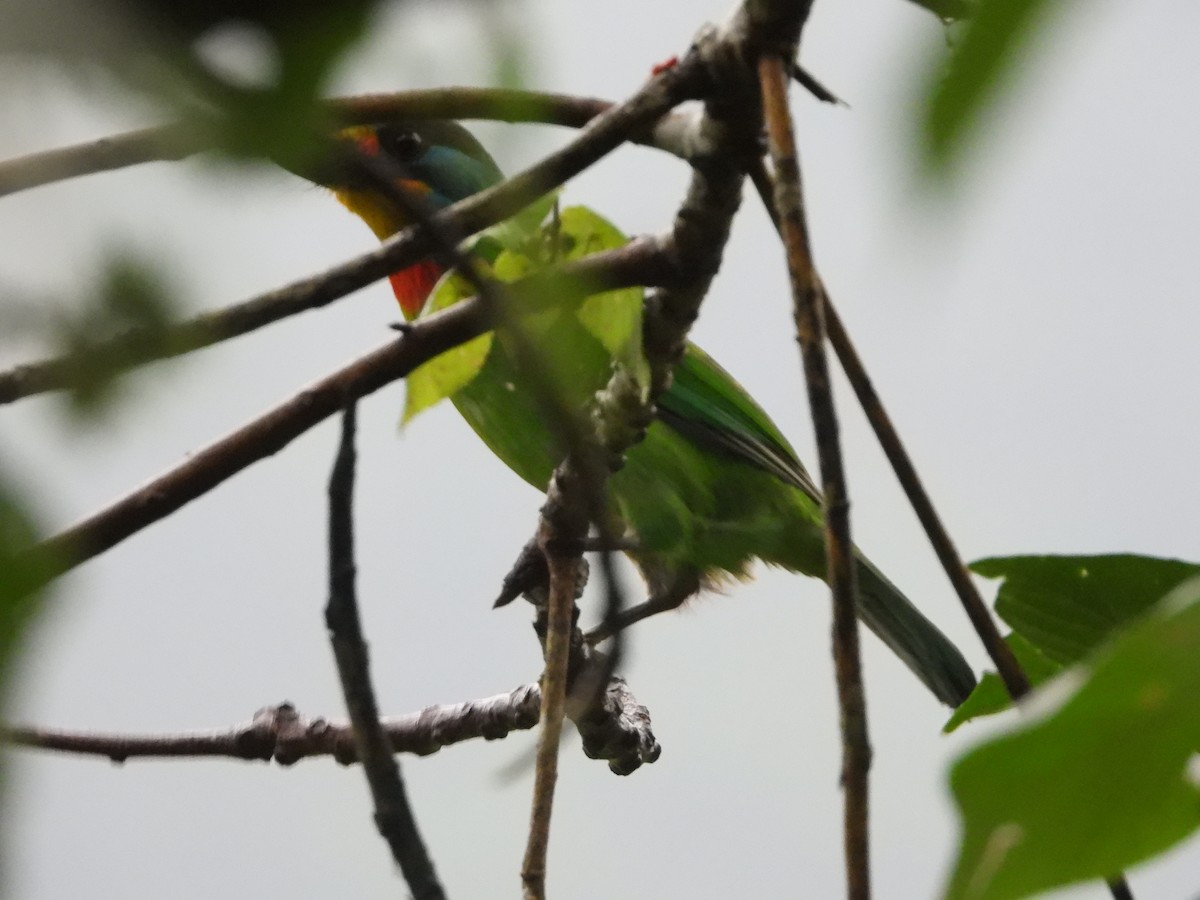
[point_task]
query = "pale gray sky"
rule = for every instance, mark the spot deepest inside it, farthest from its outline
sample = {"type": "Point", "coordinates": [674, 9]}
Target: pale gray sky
{"type": "Point", "coordinates": [1035, 338]}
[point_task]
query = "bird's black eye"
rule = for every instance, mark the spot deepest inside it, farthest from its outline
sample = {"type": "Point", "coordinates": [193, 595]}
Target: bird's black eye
{"type": "Point", "coordinates": [401, 144]}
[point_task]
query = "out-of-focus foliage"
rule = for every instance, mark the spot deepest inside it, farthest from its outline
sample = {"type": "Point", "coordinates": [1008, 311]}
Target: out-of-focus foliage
{"type": "Point", "coordinates": [131, 295]}
{"type": "Point", "coordinates": [1100, 784]}
{"type": "Point", "coordinates": [19, 571]}
{"type": "Point", "coordinates": [1062, 608]}
{"type": "Point", "coordinates": [986, 49]}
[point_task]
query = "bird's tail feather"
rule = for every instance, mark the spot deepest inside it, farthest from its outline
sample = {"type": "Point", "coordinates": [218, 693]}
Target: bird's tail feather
{"type": "Point", "coordinates": [911, 636]}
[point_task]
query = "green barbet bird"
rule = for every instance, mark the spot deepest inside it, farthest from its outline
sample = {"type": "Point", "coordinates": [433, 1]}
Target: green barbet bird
{"type": "Point", "coordinates": [713, 486]}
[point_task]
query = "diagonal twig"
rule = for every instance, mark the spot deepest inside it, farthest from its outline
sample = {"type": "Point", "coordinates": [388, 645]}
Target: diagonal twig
{"type": "Point", "coordinates": [1010, 671]}
{"type": "Point", "coordinates": [272, 431]}
{"type": "Point", "coordinates": [810, 328]}
{"type": "Point", "coordinates": [809, 82]}
{"type": "Point", "coordinates": [602, 134]}
{"type": "Point", "coordinates": [906, 473]}
{"type": "Point", "coordinates": [393, 815]}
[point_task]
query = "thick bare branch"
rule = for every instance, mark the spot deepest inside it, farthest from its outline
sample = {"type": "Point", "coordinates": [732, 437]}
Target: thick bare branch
{"type": "Point", "coordinates": [282, 735]}
{"type": "Point", "coordinates": [618, 731]}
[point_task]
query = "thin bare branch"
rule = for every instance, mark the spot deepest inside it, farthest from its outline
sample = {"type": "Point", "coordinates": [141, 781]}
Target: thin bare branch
{"type": "Point", "coordinates": [807, 293]}
{"type": "Point", "coordinates": [393, 814]}
{"type": "Point", "coordinates": [272, 431]}
{"type": "Point", "coordinates": [564, 576]}
{"type": "Point", "coordinates": [637, 263]}
{"type": "Point", "coordinates": [808, 81]}
{"type": "Point", "coordinates": [161, 143]}
{"type": "Point", "coordinates": [601, 136]}
{"type": "Point", "coordinates": [906, 473]}
{"type": "Point", "coordinates": [625, 407]}
{"type": "Point", "coordinates": [1011, 673]}
{"type": "Point", "coordinates": [985, 626]}
{"type": "Point", "coordinates": [181, 140]}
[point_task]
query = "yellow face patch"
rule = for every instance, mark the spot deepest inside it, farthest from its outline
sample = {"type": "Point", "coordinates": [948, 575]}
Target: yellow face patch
{"type": "Point", "coordinates": [381, 216]}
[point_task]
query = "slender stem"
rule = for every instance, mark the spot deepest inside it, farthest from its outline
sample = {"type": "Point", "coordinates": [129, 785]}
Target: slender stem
{"type": "Point", "coordinates": [807, 293]}
{"type": "Point", "coordinates": [985, 626]}
{"type": "Point", "coordinates": [258, 439]}
{"type": "Point", "coordinates": [393, 815]}
{"type": "Point", "coordinates": [1014, 678]}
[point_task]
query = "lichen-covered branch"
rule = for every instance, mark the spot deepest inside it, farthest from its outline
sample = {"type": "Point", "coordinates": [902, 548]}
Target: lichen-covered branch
{"type": "Point", "coordinates": [617, 731]}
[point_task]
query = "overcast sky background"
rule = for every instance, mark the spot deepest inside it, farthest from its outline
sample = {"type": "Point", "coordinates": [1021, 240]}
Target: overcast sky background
{"type": "Point", "coordinates": [1035, 336]}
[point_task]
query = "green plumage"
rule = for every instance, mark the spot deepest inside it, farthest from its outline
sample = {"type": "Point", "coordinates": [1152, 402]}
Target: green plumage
{"type": "Point", "coordinates": [712, 487]}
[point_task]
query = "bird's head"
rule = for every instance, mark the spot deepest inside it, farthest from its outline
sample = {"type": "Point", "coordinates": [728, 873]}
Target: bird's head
{"type": "Point", "coordinates": [440, 161]}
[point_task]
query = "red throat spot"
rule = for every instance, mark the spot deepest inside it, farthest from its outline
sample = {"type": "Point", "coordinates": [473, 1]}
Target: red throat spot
{"type": "Point", "coordinates": [412, 286]}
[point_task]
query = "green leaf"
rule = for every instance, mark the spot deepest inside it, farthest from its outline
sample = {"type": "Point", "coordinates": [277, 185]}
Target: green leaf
{"type": "Point", "coordinates": [1099, 785]}
{"type": "Point", "coordinates": [1067, 605]}
{"type": "Point", "coordinates": [991, 696]}
{"type": "Point", "coordinates": [612, 318]}
{"type": "Point", "coordinates": [449, 372]}
{"type": "Point", "coordinates": [988, 51]}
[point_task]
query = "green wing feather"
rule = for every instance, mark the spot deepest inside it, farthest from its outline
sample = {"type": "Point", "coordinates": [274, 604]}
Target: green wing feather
{"type": "Point", "coordinates": [709, 406]}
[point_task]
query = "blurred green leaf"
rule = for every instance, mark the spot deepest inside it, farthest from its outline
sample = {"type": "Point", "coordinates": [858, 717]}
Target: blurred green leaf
{"type": "Point", "coordinates": [1065, 606]}
{"type": "Point", "coordinates": [1099, 785]}
{"type": "Point", "coordinates": [987, 51]}
{"type": "Point", "coordinates": [991, 696]}
{"type": "Point", "coordinates": [20, 574]}
{"type": "Point", "coordinates": [131, 295]}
